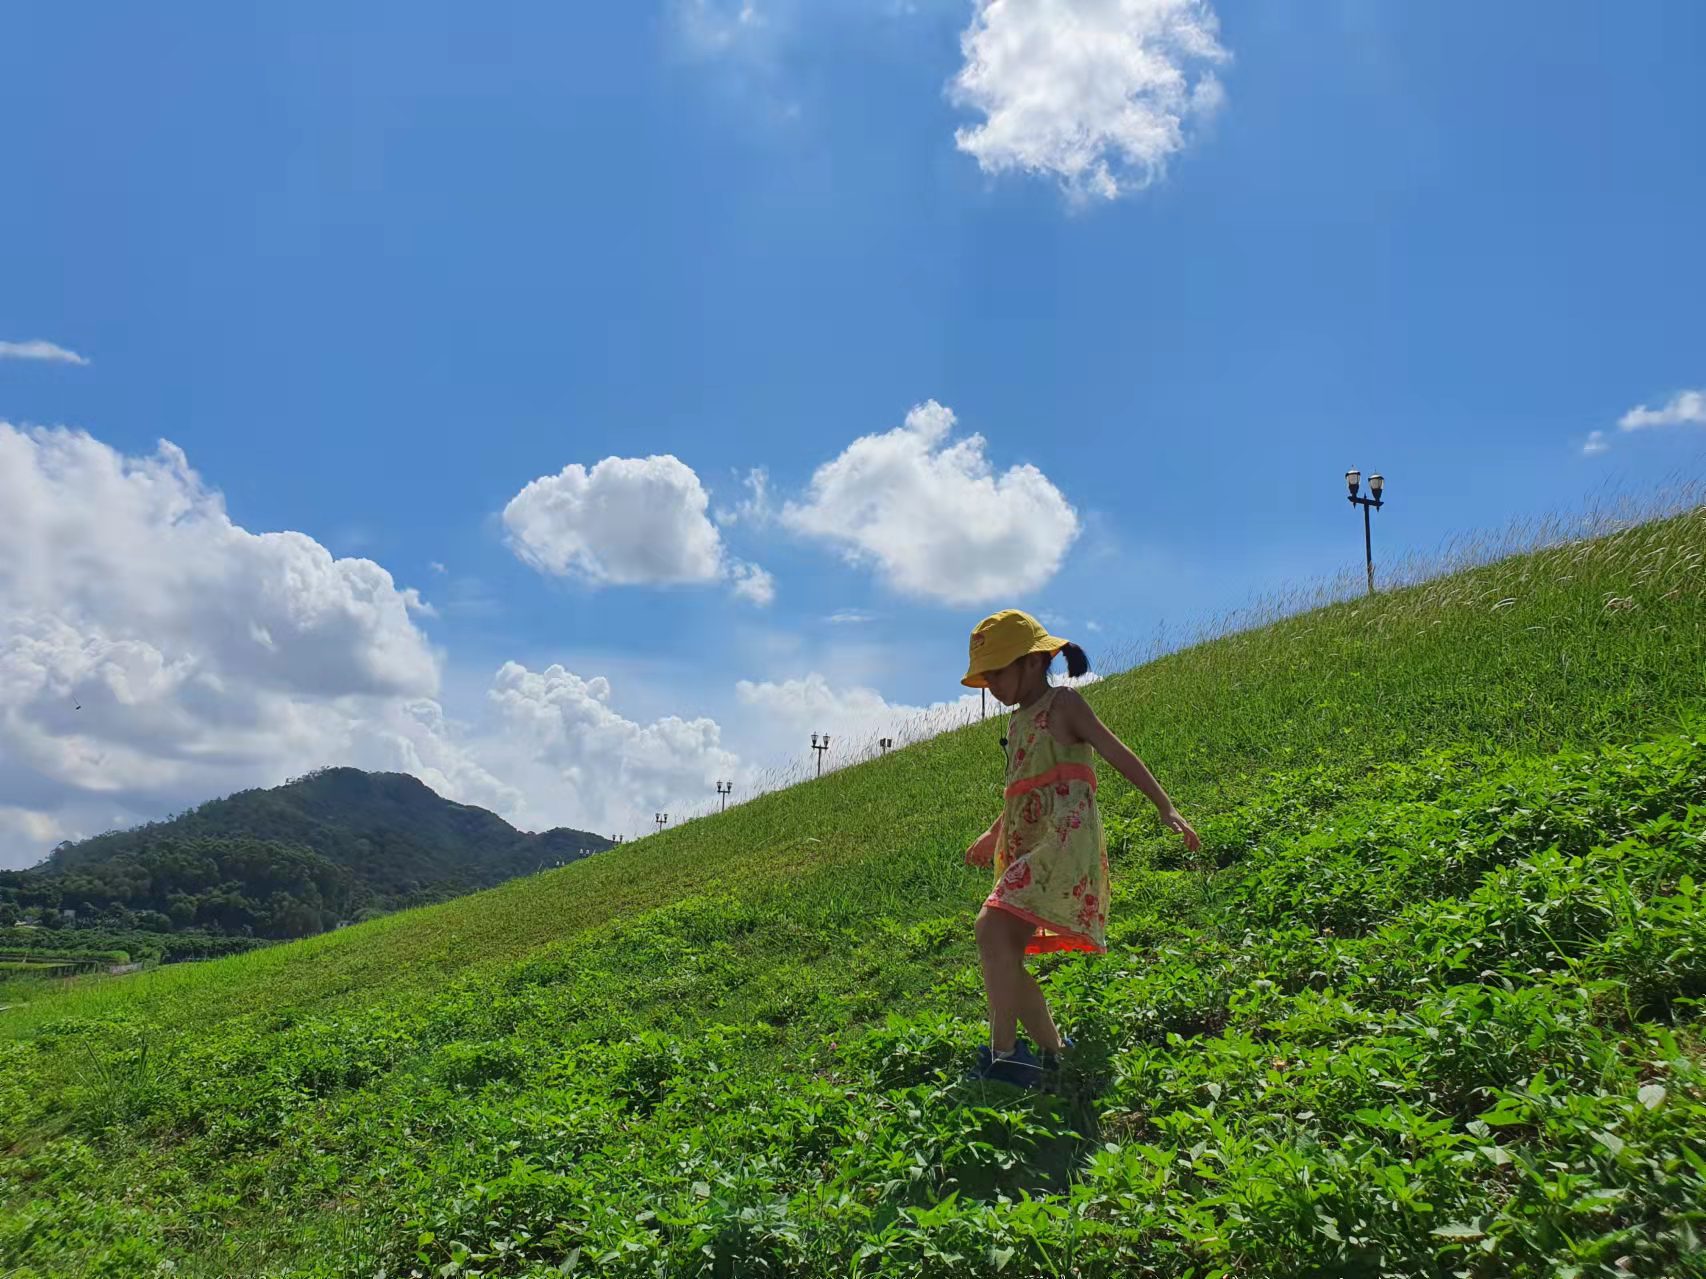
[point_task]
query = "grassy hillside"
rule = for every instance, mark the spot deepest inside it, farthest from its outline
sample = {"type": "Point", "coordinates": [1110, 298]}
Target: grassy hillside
{"type": "Point", "coordinates": [1429, 1004]}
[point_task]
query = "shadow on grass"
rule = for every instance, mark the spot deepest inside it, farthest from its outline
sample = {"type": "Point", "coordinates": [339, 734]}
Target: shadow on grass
{"type": "Point", "coordinates": [1007, 1140]}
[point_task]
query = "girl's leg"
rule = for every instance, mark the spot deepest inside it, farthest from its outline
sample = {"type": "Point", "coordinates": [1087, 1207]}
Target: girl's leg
{"type": "Point", "coordinates": [1034, 1013]}
{"type": "Point", "coordinates": [1013, 993]}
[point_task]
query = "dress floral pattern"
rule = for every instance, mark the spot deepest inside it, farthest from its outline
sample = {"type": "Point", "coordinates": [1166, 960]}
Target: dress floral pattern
{"type": "Point", "coordinates": [1051, 858]}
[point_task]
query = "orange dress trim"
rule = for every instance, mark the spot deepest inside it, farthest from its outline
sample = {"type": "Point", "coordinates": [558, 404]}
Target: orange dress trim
{"type": "Point", "coordinates": [1059, 773]}
{"type": "Point", "coordinates": [1053, 939]}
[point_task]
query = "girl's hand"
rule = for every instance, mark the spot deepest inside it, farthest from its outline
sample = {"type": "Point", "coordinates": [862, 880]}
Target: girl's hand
{"type": "Point", "coordinates": [1173, 821]}
{"type": "Point", "coordinates": [982, 850]}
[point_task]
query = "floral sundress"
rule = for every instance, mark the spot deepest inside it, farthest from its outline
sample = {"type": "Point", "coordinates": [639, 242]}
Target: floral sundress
{"type": "Point", "coordinates": [1051, 857]}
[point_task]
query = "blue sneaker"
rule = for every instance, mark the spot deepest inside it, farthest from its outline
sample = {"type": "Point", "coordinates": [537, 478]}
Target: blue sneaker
{"type": "Point", "coordinates": [1019, 1067]}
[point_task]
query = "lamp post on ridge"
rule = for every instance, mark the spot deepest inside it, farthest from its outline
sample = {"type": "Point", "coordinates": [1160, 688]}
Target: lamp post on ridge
{"type": "Point", "coordinates": [820, 749]}
{"type": "Point", "coordinates": [725, 789]}
{"type": "Point", "coordinates": [1376, 485]}
{"type": "Point", "coordinates": [885, 743]}
{"type": "Point", "coordinates": [662, 819]}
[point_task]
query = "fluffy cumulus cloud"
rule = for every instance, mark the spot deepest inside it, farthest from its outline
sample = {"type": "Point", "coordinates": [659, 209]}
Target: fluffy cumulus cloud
{"type": "Point", "coordinates": [36, 349]}
{"type": "Point", "coordinates": [1097, 93]}
{"type": "Point", "coordinates": [628, 521]}
{"type": "Point", "coordinates": [609, 771]}
{"type": "Point", "coordinates": [934, 517]}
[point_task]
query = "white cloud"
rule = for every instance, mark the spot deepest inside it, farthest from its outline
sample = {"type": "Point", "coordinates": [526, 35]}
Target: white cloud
{"type": "Point", "coordinates": [1684, 408]}
{"type": "Point", "coordinates": [1098, 93]}
{"type": "Point", "coordinates": [140, 547]}
{"type": "Point", "coordinates": [437, 567]}
{"type": "Point", "coordinates": [934, 517]}
{"type": "Point", "coordinates": [1595, 444]}
{"type": "Point", "coordinates": [588, 760]}
{"type": "Point", "coordinates": [629, 521]}
{"type": "Point", "coordinates": [851, 617]}
{"type": "Point", "coordinates": [36, 349]}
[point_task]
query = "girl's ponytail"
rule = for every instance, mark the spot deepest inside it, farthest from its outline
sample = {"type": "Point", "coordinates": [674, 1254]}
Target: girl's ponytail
{"type": "Point", "coordinates": [1077, 661]}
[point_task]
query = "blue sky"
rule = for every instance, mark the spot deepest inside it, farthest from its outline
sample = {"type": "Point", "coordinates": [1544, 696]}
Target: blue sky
{"type": "Point", "coordinates": [376, 270]}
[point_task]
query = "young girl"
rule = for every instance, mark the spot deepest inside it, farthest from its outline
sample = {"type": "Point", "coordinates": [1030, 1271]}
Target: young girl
{"type": "Point", "coordinates": [1051, 860]}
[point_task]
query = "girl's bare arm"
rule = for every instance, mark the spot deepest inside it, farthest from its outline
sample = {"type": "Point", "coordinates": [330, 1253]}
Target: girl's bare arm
{"type": "Point", "coordinates": [982, 849]}
{"type": "Point", "coordinates": [1086, 726]}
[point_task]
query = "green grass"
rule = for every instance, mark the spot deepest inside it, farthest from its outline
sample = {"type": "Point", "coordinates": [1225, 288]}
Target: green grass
{"type": "Point", "coordinates": [1429, 1004]}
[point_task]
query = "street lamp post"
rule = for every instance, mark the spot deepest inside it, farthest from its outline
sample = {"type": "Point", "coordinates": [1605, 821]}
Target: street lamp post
{"type": "Point", "coordinates": [820, 748]}
{"type": "Point", "coordinates": [662, 819]}
{"type": "Point", "coordinates": [1376, 485]}
{"type": "Point", "coordinates": [885, 743]}
{"type": "Point", "coordinates": [725, 789]}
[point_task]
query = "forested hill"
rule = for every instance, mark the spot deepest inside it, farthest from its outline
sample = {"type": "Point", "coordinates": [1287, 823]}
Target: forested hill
{"type": "Point", "coordinates": [293, 859]}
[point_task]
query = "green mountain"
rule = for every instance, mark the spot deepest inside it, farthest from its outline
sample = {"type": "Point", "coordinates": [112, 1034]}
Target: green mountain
{"type": "Point", "coordinates": [292, 860]}
{"type": "Point", "coordinates": [1431, 1002]}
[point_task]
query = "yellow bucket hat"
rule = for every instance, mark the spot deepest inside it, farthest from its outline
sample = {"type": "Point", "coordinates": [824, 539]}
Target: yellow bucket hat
{"type": "Point", "coordinates": [1005, 637]}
